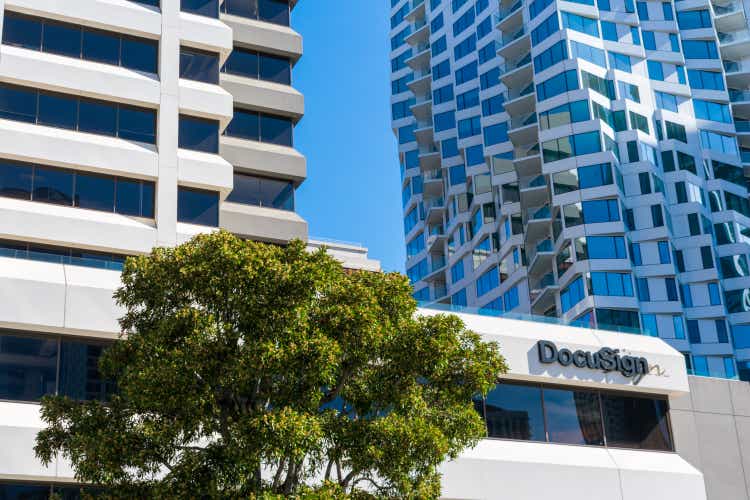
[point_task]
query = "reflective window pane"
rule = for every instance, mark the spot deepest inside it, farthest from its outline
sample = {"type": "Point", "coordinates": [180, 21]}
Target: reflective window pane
{"type": "Point", "coordinates": [97, 117]}
{"type": "Point", "coordinates": [18, 104]}
{"type": "Point", "coordinates": [633, 422]}
{"type": "Point", "coordinates": [79, 371]}
{"type": "Point", "coordinates": [62, 39]}
{"type": "Point", "coordinates": [275, 69]}
{"type": "Point", "coordinates": [101, 47]}
{"type": "Point", "coordinates": [15, 180]}
{"type": "Point", "coordinates": [209, 8]}
{"type": "Point", "coordinates": [197, 207]}
{"type": "Point", "coordinates": [244, 125]}
{"type": "Point", "coordinates": [95, 192]}
{"type": "Point", "coordinates": [14, 491]}
{"type": "Point", "coordinates": [128, 200]}
{"type": "Point", "coordinates": [261, 191]}
{"type": "Point", "coordinates": [573, 417]}
{"type": "Point", "coordinates": [137, 124]}
{"type": "Point", "coordinates": [57, 110]}
{"type": "Point", "coordinates": [276, 130]}
{"type": "Point", "coordinates": [274, 11]}
{"type": "Point", "coordinates": [198, 65]}
{"type": "Point", "coordinates": [22, 31]}
{"type": "Point", "coordinates": [243, 63]}
{"type": "Point", "coordinates": [243, 8]}
{"type": "Point", "coordinates": [27, 367]}
{"type": "Point", "coordinates": [515, 412]}
{"type": "Point", "coordinates": [147, 199]}
{"type": "Point", "coordinates": [140, 55]}
{"type": "Point", "coordinates": [53, 185]}
{"type": "Point", "coordinates": [198, 134]}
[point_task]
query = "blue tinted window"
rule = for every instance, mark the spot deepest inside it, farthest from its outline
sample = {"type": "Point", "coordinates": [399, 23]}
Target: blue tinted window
{"type": "Point", "coordinates": [612, 284]}
{"type": "Point", "coordinates": [443, 94]}
{"type": "Point", "coordinates": [655, 70]}
{"type": "Point", "coordinates": [467, 99]}
{"type": "Point", "coordinates": [95, 192]}
{"type": "Point", "coordinates": [572, 295]}
{"type": "Point", "coordinates": [465, 47]}
{"type": "Point", "coordinates": [701, 79]}
{"type": "Point", "coordinates": [441, 70]}
{"type": "Point", "coordinates": [15, 180]}
{"type": "Point", "coordinates": [707, 110]}
{"type": "Point", "coordinates": [199, 65]}
{"type": "Point", "coordinates": [469, 127]}
{"type": "Point", "coordinates": [556, 53]}
{"type": "Point", "coordinates": [137, 124]}
{"type": "Point", "coordinates": [97, 118]}
{"type": "Point", "coordinates": [62, 39]}
{"type": "Point", "coordinates": [57, 110]}
{"type": "Point", "coordinates": [579, 23]}
{"type": "Point", "coordinates": [198, 134]}
{"type": "Point", "coordinates": [489, 79]}
{"type": "Point", "coordinates": [437, 23]}
{"type": "Point", "coordinates": [558, 84]}
{"type": "Point", "coordinates": [595, 211]}
{"type": "Point", "coordinates": [197, 207]}
{"type": "Point", "coordinates": [589, 53]}
{"type": "Point", "coordinates": [699, 49]}
{"type": "Point", "coordinates": [649, 40]}
{"type": "Point", "coordinates": [276, 130]}
{"type": "Point", "coordinates": [22, 31]}
{"type": "Point", "coordinates": [606, 247]}
{"type": "Point", "coordinates": [545, 29]}
{"type": "Point", "coordinates": [495, 134]}
{"type": "Point", "coordinates": [474, 155]}
{"type": "Point", "coordinates": [463, 22]}
{"type": "Point", "coordinates": [466, 73]}
{"type": "Point", "coordinates": [487, 282]}
{"type": "Point", "coordinates": [449, 148]}
{"type": "Point", "coordinates": [609, 31]}
{"type": "Point", "coordinates": [28, 367]}
{"type": "Point", "coordinates": [208, 8]}
{"type": "Point", "coordinates": [619, 61]}
{"type": "Point", "coordinates": [80, 42]}
{"type": "Point", "coordinates": [457, 175]}
{"type": "Point", "coordinates": [262, 191]}
{"type": "Point", "coordinates": [445, 121]}
{"type": "Point", "coordinates": [52, 185]}
{"type": "Point", "coordinates": [484, 28]}
{"type": "Point", "coordinates": [17, 103]}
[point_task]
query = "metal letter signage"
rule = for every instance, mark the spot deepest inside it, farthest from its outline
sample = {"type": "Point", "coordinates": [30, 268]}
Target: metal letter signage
{"type": "Point", "coordinates": [606, 359]}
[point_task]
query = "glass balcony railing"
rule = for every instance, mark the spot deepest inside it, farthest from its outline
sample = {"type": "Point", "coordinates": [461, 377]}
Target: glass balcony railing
{"type": "Point", "coordinates": [434, 203]}
{"type": "Point", "coordinates": [523, 121]}
{"type": "Point", "coordinates": [429, 150]}
{"type": "Point", "coordinates": [422, 47]}
{"type": "Point", "coordinates": [539, 213]}
{"type": "Point", "coordinates": [419, 24]}
{"type": "Point", "coordinates": [511, 38]}
{"type": "Point", "coordinates": [552, 320]}
{"type": "Point", "coordinates": [437, 263]}
{"type": "Point", "coordinates": [745, 155]}
{"type": "Point", "coordinates": [512, 64]}
{"type": "Point", "coordinates": [437, 230]}
{"type": "Point", "coordinates": [742, 125]}
{"type": "Point", "coordinates": [526, 151]}
{"type": "Point", "coordinates": [739, 95]}
{"type": "Point", "coordinates": [422, 73]}
{"type": "Point", "coordinates": [721, 9]}
{"type": "Point", "coordinates": [432, 175]}
{"type": "Point", "coordinates": [734, 36]}
{"type": "Point", "coordinates": [731, 66]}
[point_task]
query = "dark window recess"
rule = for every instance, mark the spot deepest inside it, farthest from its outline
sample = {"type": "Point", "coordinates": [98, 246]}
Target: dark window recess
{"type": "Point", "coordinates": [251, 64]}
{"type": "Point", "coordinates": [80, 189]}
{"type": "Point", "coordinates": [534, 412]}
{"type": "Point", "coordinates": [153, 3]}
{"type": "Point", "coordinates": [71, 40]}
{"type": "Point", "coordinates": [198, 134]}
{"type": "Point", "coordinates": [35, 366]}
{"type": "Point", "coordinates": [262, 191]}
{"type": "Point", "coordinates": [261, 127]}
{"type": "Point", "coordinates": [195, 206]}
{"type": "Point", "coordinates": [208, 8]}
{"type": "Point", "coordinates": [61, 255]}
{"type": "Point", "coordinates": [77, 113]}
{"type": "Point", "coordinates": [271, 11]}
{"type": "Point", "coordinates": [199, 65]}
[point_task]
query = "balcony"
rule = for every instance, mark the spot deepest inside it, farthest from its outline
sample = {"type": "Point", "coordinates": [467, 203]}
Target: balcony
{"type": "Point", "coordinates": [737, 72]}
{"type": "Point", "coordinates": [523, 129]}
{"type": "Point", "coordinates": [420, 61]}
{"type": "Point", "coordinates": [729, 16]}
{"type": "Point", "coordinates": [740, 100]}
{"type": "Point", "coordinates": [515, 45]}
{"type": "Point", "coordinates": [540, 257]}
{"type": "Point", "coordinates": [533, 190]}
{"type": "Point", "coordinates": [734, 44]}
{"type": "Point", "coordinates": [538, 221]}
{"type": "Point", "coordinates": [520, 102]}
{"type": "Point", "coordinates": [509, 18]}
{"type": "Point", "coordinates": [742, 126]}
{"type": "Point", "coordinates": [434, 209]}
{"type": "Point", "coordinates": [417, 11]}
{"type": "Point", "coordinates": [429, 157]}
{"type": "Point", "coordinates": [432, 182]}
{"type": "Point", "coordinates": [422, 83]}
{"type": "Point", "coordinates": [542, 294]}
{"type": "Point", "coordinates": [516, 72]}
{"type": "Point", "coordinates": [527, 159]}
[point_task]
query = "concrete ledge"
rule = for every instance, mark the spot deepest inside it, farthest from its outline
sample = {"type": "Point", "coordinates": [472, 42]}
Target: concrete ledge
{"type": "Point", "coordinates": [266, 37]}
{"type": "Point", "coordinates": [260, 223]}
{"type": "Point", "coordinates": [264, 159]}
{"type": "Point", "coordinates": [264, 96]}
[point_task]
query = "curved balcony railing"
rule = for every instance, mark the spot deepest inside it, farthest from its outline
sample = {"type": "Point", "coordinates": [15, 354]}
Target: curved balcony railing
{"type": "Point", "coordinates": [739, 95]}
{"type": "Point", "coordinates": [734, 36]}
{"type": "Point", "coordinates": [742, 125]}
{"type": "Point", "coordinates": [511, 38]}
{"type": "Point", "coordinates": [726, 8]}
{"type": "Point", "coordinates": [539, 213]}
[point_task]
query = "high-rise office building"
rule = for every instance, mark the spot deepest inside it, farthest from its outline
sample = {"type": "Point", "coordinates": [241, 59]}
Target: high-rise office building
{"type": "Point", "coordinates": [582, 160]}
{"type": "Point", "coordinates": [125, 124]}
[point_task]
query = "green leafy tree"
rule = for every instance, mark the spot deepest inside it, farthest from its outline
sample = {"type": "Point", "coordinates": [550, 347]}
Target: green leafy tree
{"type": "Point", "coordinates": [247, 370]}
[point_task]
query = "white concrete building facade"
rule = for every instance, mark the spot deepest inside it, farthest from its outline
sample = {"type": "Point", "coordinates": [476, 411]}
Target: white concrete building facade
{"type": "Point", "coordinates": [125, 124]}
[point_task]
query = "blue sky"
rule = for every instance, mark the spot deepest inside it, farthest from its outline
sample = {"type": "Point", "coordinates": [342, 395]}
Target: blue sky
{"type": "Point", "coordinates": [352, 191]}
